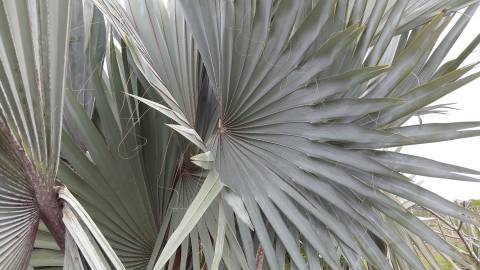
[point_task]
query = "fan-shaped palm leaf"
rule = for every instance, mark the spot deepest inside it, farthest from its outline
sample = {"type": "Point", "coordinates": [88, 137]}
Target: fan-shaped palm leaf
{"type": "Point", "coordinates": [33, 48]}
{"type": "Point", "coordinates": [287, 152]}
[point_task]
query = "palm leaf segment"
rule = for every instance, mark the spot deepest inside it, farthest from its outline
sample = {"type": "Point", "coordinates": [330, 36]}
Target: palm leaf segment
{"type": "Point", "coordinates": [301, 101]}
{"type": "Point", "coordinates": [33, 47]}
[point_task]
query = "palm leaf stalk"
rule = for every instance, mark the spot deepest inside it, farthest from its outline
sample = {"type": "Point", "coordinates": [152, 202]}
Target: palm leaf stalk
{"type": "Point", "coordinates": [226, 134]}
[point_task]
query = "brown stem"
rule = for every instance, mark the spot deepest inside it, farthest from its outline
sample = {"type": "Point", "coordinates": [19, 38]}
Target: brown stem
{"type": "Point", "coordinates": [46, 198]}
{"type": "Point", "coordinates": [441, 229]}
{"type": "Point", "coordinates": [469, 250]}
{"type": "Point", "coordinates": [458, 230]}
{"type": "Point", "coordinates": [51, 215]}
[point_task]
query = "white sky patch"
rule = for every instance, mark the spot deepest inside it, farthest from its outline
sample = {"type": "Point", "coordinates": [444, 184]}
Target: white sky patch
{"type": "Point", "coordinates": [463, 152]}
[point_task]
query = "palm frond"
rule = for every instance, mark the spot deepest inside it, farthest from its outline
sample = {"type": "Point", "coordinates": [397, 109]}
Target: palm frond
{"type": "Point", "coordinates": [33, 50]}
{"type": "Point", "coordinates": [283, 153]}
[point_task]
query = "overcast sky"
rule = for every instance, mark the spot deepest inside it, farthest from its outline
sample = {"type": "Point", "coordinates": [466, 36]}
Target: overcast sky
{"type": "Point", "coordinates": [464, 152]}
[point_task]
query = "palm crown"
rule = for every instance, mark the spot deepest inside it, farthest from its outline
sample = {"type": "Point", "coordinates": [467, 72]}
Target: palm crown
{"type": "Point", "coordinates": [224, 134]}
